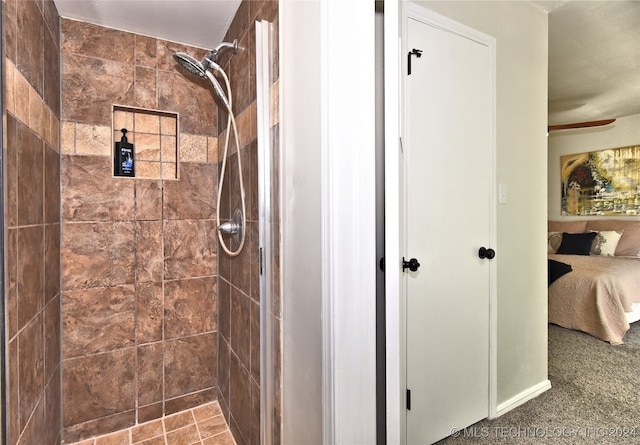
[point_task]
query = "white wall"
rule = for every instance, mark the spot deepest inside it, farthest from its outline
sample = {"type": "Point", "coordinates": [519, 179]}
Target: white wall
{"type": "Point", "coordinates": [624, 132]}
{"type": "Point", "coordinates": [521, 32]}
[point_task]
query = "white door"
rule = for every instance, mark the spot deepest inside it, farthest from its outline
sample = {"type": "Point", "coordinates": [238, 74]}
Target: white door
{"type": "Point", "coordinates": [449, 187]}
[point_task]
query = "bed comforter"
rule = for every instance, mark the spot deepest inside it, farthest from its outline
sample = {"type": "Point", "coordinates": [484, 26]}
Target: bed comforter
{"type": "Point", "coordinates": [595, 295]}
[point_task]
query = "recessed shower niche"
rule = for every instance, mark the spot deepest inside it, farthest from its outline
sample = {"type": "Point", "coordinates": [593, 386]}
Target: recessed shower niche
{"type": "Point", "coordinates": [154, 135]}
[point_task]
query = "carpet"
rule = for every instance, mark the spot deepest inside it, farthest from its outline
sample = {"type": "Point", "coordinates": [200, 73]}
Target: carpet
{"type": "Point", "coordinates": [593, 397]}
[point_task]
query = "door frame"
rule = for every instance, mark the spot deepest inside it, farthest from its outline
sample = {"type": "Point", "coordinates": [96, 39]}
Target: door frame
{"type": "Point", "coordinates": [394, 213]}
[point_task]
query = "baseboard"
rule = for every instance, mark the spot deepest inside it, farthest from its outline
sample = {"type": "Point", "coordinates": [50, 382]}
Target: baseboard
{"type": "Point", "coordinates": [522, 397]}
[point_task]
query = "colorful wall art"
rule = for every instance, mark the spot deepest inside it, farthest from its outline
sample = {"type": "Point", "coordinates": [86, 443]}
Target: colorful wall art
{"type": "Point", "coordinates": [601, 183]}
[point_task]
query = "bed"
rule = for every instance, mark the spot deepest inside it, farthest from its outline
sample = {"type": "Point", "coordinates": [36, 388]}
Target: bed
{"type": "Point", "coordinates": [600, 295]}
{"type": "Point", "coordinates": [598, 290]}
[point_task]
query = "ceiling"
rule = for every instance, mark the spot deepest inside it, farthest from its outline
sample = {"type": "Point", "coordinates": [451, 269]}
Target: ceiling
{"type": "Point", "coordinates": [201, 23]}
{"type": "Point", "coordinates": [594, 46]}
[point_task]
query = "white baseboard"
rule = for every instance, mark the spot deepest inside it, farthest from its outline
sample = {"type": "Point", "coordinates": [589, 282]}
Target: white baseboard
{"type": "Point", "coordinates": [522, 397]}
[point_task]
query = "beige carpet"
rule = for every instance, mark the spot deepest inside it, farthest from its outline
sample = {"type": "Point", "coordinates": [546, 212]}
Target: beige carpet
{"type": "Point", "coordinates": [593, 400]}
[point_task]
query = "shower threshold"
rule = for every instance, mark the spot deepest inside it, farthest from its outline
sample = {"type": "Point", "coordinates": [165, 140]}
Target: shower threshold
{"type": "Point", "coordinates": [202, 425]}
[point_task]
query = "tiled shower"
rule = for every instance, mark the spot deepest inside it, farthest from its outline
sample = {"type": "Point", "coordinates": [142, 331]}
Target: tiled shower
{"type": "Point", "coordinates": [120, 309]}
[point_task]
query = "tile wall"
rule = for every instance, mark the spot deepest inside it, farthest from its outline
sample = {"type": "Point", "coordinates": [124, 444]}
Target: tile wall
{"type": "Point", "coordinates": [238, 286]}
{"type": "Point", "coordinates": [139, 256]}
{"type": "Point", "coordinates": [32, 221]}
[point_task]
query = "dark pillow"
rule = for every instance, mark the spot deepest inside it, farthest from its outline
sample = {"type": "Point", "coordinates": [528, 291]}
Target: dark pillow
{"type": "Point", "coordinates": [557, 269]}
{"type": "Point", "coordinates": [576, 243]}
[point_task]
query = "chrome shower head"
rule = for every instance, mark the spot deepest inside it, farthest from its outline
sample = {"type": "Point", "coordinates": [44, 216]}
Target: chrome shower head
{"type": "Point", "coordinates": [190, 64]}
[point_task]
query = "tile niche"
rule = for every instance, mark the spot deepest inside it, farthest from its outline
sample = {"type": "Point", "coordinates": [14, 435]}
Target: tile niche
{"type": "Point", "coordinates": [154, 135]}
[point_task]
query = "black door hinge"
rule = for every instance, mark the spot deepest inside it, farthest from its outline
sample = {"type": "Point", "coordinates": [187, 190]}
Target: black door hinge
{"type": "Point", "coordinates": [409, 399]}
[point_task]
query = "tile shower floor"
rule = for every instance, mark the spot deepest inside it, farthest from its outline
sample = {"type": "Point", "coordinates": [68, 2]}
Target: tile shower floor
{"type": "Point", "coordinates": [202, 425]}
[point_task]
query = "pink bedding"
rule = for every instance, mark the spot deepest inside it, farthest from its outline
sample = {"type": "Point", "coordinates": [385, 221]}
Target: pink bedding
{"type": "Point", "coordinates": [595, 295]}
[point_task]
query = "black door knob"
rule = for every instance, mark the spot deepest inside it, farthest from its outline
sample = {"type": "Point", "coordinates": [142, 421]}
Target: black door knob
{"type": "Point", "coordinates": [489, 254]}
{"type": "Point", "coordinates": [412, 264]}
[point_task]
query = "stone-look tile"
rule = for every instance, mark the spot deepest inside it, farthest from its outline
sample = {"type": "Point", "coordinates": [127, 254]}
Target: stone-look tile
{"type": "Point", "coordinates": [213, 426]}
{"type": "Point", "coordinates": [97, 254]}
{"type": "Point", "coordinates": [34, 428]}
{"type": "Point", "coordinates": [10, 29]}
{"type": "Point", "coordinates": [37, 114]}
{"type": "Point", "coordinates": [97, 386]}
{"type": "Point", "coordinates": [193, 148]}
{"type": "Point", "coordinates": [178, 420]}
{"type": "Point", "coordinates": [221, 439]}
{"type": "Point", "coordinates": [242, 72]}
{"type": "Point", "coordinates": [53, 403]}
{"type": "Point", "coordinates": [190, 249]}
{"type": "Point", "coordinates": [149, 312]}
{"type": "Point", "coordinates": [148, 200]}
{"type": "Point", "coordinates": [30, 184]}
{"type": "Point", "coordinates": [97, 41]}
{"type": "Point", "coordinates": [147, 123]}
{"type": "Point", "coordinates": [100, 426]}
{"type": "Point", "coordinates": [169, 170]}
{"type": "Point", "coordinates": [52, 346]}
{"type": "Point", "coordinates": [147, 147]}
{"type": "Point", "coordinates": [51, 57]}
{"type": "Point", "coordinates": [184, 436]}
{"type": "Point", "coordinates": [189, 401]}
{"type": "Point", "coordinates": [195, 103]}
{"type": "Point", "coordinates": [68, 137]}
{"type": "Point", "coordinates": [254, 340]}
{"type": "Point", "coordinates": [9, 87]}
{"type": "Point", "coordinates": [149, 260]}
{"type": "Point", "coordinates": [147, 431]}
{"type": "Point", "coordinates": [224, 369]}
{"type": "Point", "coordinates": [275, 103]}
{"type": "Point", "coordinates": [148, 170]}
{"type": "Point", "coordinates": [169, 125]}
{"type": "Point", "coordinates": [145, 88]}
{"type": "Point", "coordinates": [90, 86]}
{"type": "Point", "coordinates": [212, 150]}
{"type": "Point", "coordinates": [194, 195]}
{"type": "Point", "coordinates": [189, 307]}
{"type": "Point", "coordinates": [169, 148]}
{"type": "Point", "coordinates": [241, 266]}
{"type": "Point", "coordinates": [98, 320]}
{"type": "Point", "coordinates": [190, 364]}
{"type": "Point", "coordinates": [30, 26]}
{"type": "Point", "coordinates": [11, 178]}
{"type": "Point", "coordinates": [21, 93]}
{"type": "Point", "coordinates": [93, 140]}
{"type": "Point", "coordinates": [224, 309]}
{"type": "Point", "coordinates": [150, 378]}
{"type": "Point", "coordinates": [31, 367]}
{"type": "Point", "coordinates": [150, 412]}
{"type": "Point", "coordinates": [206, 411]}
{"type": "Point", "coordinates": [51, 185]}
{"type": "Point", "coordinates": [254, 420]}
{"type": "Point", "coordinates": [89, 193]}
{"type": "Point", "coordinates": [122, 118]}
{"type": "Point", "coordinates": [250, 171]}
{"type": "Point", "coordinates": [13, 392]}
{"type": "Point", "coordinates": [11, 273]}
{"type": "Point", "coordinates": [240, 326]}
{"type": "Point", "coordinates": [51, 261]}
{"type": "Point", "coordinates": [146, 51]}
{"type": "Point", "coordinates": [117, 438]}
{"type": "Point", "coordinates": [30, 273]}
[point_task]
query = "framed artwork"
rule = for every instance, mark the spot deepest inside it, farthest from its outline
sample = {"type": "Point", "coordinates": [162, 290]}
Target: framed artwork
{"type": "Point", "coordinates": [605, 182]}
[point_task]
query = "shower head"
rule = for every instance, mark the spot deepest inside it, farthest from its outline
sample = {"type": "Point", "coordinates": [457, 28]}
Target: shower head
{"type": "Point", "coordinates": [190, 64]}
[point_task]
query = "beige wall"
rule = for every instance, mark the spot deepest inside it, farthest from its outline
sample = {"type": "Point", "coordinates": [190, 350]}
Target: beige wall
{"type": "Point", "coordinates": [623, 132]}
{"type": "Point", "coordinates": [521, 33]}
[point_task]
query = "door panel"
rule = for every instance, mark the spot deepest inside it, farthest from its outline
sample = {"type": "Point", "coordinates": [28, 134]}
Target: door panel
{"type": "Point", "coordinates": [449, 174]}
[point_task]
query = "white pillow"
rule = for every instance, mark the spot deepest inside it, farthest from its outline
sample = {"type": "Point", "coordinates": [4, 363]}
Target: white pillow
{"type": "Point", "coordinates": [605, 242]}
{"type": "Point", "coordinates": [553, 241]}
